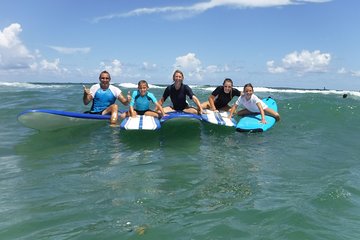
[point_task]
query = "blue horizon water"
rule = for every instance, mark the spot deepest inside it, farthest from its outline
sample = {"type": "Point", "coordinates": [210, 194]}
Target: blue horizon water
{"type": "Point", "coordinates": [299, 180]}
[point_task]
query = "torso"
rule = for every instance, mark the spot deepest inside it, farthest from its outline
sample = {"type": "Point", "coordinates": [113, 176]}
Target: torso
{"type": "Point", "coordinates": [178, 96]}
{"type": "Point", "coordinates": [251, 103]}
{"type": "Point", "coordinates": [142, 103]}
{"type": "Point", "coordinates": [103, 98]}
{"type": "Point", "coordinates": [221, 98]}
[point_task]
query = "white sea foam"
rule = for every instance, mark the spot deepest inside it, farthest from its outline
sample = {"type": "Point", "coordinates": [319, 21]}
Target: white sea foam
{"type": "Point", "coordinates": [30, 85]}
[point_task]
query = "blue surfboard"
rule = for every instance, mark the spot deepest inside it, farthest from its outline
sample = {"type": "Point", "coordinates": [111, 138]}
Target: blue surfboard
{"type": "Point", "coordinates": [48, 120]}
{"type": "Point", "coordinates": [252, 123]}
{"type": "Point", "coordinates": [218, 118]}
{"type": "Point", "coordinates": [180, 116]}
{"type": "Point", "coordinates": [140, 122]}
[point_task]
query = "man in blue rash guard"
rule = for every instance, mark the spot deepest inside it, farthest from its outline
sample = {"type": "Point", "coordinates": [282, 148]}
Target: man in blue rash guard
{"type": "Point", "coordinates": [103, 97]}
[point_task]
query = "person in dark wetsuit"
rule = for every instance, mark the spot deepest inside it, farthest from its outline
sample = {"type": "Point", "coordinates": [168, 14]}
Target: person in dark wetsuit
{"type": "Point", "coordinates": [178, 92]}
{"type": "Point", "coordinates": [221, 96]}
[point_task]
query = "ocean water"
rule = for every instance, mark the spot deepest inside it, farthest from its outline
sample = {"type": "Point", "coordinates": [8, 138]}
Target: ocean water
{"type": "Point", "coordinates": [300, 180]}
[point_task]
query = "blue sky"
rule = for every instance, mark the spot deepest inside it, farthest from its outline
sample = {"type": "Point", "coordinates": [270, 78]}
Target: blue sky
{"type": "Point", "coordinates": [270, 43]}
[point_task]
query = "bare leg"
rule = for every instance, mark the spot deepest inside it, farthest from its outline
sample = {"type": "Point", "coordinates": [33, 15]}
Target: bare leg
{"type": "Point", "coordinates": [113, 110]}
{"type": "Point", "coordinates": [205, 105]}
{"type": "Point", "coordinates": [269, 111]}
{"type": "Point", "coordinates": [191, 110]}
{"type": "Point", "coordinates": [168, 109]}
{"type": "Point", "coordinates": [152, 114]}
{"type": "Point", "coordinates": [244, 112]}
{"type": "Point", "coordinates": [226, 108]}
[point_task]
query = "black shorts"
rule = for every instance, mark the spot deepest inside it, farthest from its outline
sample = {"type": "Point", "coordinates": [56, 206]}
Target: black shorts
{"type": "Point", "coordinates": [143, 112]}
{"type": "Point", "coordinates": [99, 113]}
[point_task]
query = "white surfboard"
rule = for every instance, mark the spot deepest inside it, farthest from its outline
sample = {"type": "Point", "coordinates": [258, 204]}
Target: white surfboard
{"type": "Point", "coordinates": [140, 122]}
{"type": "Point", "coordinates": [218, 118]}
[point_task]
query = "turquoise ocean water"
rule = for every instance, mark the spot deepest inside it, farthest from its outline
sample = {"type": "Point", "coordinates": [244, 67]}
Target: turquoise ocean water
{"type": "Point", "coordinates": [300, 180]}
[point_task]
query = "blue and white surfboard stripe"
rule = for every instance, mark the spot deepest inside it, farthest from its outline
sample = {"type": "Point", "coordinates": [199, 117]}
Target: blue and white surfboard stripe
{"type": "Point", "coordinates": [140, 122]}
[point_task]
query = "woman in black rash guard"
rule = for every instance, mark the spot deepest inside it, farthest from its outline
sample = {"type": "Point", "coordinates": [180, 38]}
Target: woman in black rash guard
{"type": "Point", "coordinates": [221, 96]}
{"type": "Point", "coordinates": [178, 92]}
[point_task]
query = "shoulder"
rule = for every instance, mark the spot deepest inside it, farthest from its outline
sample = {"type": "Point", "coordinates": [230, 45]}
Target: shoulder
{"type": "Point", "coordinates": [236, 92]}
{"type": "Point", "coordinates": [187, 87]}
{"type": "Point", "coordinates": [150, 94]}
{"type": "Point", "coordinates": [218, 90]}
{"type": "Point", "coordinates": [168, 88]}
{"type": "Point", "coordinates": [135, 93]}
{"type": "Point", "coordinates": [94, 88]}
{"type": "Point", "coordinates": [255, 98]}
{"type": "Point", "coordinates": [113, 88]}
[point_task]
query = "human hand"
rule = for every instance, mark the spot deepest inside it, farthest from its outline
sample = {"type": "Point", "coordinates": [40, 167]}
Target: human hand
{"type": "Point", "coordinates": [128, 96]}
{"type": "Point", "coordinates": [86, 90]}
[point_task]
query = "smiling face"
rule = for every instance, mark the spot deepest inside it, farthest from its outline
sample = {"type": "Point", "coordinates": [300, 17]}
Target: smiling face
{"type": "Point", "coordinates": [227, 86]}
{"type": "Point", "coordinates": [178, 78]}
{"type": "Point", "coordinates": [104, 80]}
{"type": "Point", "coordinates": [248, 91]}
{"type": "Point", "coordinates": [143, 87]}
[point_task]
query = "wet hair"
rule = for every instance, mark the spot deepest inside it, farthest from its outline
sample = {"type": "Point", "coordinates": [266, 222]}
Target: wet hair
{"type": "Point", "coordinates": [143, 82]}
{"type": "Point", "coordinates": [248, 85]}
{"type": "Point", "coordinates": [228, 80]}
{"type": "Point", "coordinates": [178, 71]}
{"type": "Point", "coordinates": [106, 73]}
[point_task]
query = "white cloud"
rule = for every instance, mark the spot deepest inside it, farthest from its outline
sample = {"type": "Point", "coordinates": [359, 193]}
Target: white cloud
{"type": "Point", "coordinates": [50, 66]}
{"type": "Point", "coordinates": [66, 50]}
{"type": "Point", "coordinates": [302, 62]}
{"type": "Point", "coordinates": [192, 67]}
{"type": "Point", "coordinates": [148, 66]}
{"type": "Point", "coordinates": [198, 8]}
{"type": "Point", "coordinates": [342, 71]}
{"type": "Point", "coordinates": [274, 69]}
{"type": "Point", "coordinates": [114, 68]}
{"type": "Point", "coordinates": [190, 64]}
{"type": "Point", "coordinates": [355, 73]}
{"type": "Point", "coordinates": [13, 53]}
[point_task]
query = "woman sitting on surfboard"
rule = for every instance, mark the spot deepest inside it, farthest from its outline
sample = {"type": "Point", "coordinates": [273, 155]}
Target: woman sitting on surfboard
{"type": "Point", "coordinates": [140, 102]}
{"type": "Point", "coordinates": [252, 105]}
{"type": "Point", "coordinates": [178, 92]}
{"type": "Point", "coordinates": [103, 96]}
{"type": "Point", "coordinates": [221, 96]}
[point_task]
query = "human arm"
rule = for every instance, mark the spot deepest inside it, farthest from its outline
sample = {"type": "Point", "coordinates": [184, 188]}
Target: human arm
{"type": "Point", "coordinates": [258, 104]}
{"type": "Point", "coordinates": [212, 103]}
{"type": "Point", "coordinates": [159, 108]}
{"type": "Point", "coordinates": [232, 110]}
{"type": "Point", "coordinates": [124, 100]}
{"type": "Point", "coordinates": [87, 97]}
{"type": "Point", "coordinates": [159, 104]}
{"type": "Point", "coordinates": [198, 104]}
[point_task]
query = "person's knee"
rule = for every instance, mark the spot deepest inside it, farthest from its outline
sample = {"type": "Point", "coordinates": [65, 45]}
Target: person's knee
{"type": "Point", "coordinates": [114, 107]}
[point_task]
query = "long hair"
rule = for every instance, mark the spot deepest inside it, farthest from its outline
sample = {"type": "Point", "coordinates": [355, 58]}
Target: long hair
{"type": "Point", "coordinates": [178, 71]}
{"type": "Point", "coordinates": [230, 81]}
{"type": "Point", "coordinates": [248, 85]}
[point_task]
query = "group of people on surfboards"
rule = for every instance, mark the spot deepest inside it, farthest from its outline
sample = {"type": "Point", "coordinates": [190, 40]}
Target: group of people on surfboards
{"type": "Point", "coordinates": [103, 97]}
